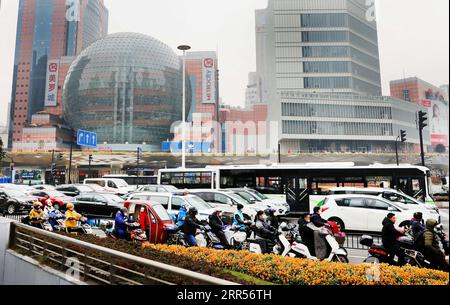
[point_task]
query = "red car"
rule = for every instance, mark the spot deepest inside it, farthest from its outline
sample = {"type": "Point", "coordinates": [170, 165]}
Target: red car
{"type": "Point", "coordinates": [154, 220]}
{"type": "Point", "coordinates": [58, 199]}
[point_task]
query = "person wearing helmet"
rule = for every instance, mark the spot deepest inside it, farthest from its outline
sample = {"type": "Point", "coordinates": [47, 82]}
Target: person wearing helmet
{"type": "Point", "coordinates": [239, 222]}
{"type": "Point", "coordinates": [217, 225]}
{"type": "Point", "coordinates": [428, 244]}
{"type": "Point", "coordinates": [36, 214]}
{"type": "Point", "coordinates": [272, 220]}
{"type": "Point", "coordinates": [191, 224]}
{"type": "Point", "coordinates": [417, 224]}
{"type": "Point", "coordinates": [71, 217]}
{"type": "Point", "coordinates": [121, 224]}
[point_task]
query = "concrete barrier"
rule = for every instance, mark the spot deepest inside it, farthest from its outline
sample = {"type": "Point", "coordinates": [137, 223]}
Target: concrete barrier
{"type": "Point", "coordinates": [16, 269]}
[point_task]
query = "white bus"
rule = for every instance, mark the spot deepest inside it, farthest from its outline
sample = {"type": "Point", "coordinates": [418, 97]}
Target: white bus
{"type": "Point", "coordinates": [297, 182]}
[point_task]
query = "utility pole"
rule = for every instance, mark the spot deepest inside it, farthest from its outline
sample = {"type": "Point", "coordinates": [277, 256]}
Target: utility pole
{"type": "Point", "coordinates": [89, 171]}
{"type": "Point", "coordinates": [402, 138]}
{"type": "Point", "coordinates": [422, 124]}
{"type": "Point", "coordinates": [279, 153]}
{"type": "Point", "coordinates": [139, 150]}
{"type": "Point", "coordinates": [52, 173]}
{"type": "Point", "coordinates": [72, 135]}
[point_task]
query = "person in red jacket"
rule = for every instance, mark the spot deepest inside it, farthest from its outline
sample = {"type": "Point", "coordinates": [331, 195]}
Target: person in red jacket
{"type": "Point", "coordinates": [145, 222]}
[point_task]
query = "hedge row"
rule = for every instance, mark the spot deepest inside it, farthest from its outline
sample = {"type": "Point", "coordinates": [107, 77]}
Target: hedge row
{"type": "Point", "coordinates": [294, 271]}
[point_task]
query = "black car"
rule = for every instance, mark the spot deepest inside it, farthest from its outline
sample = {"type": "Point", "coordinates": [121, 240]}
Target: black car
{"type": "Point", "coordinates": [74, 190]}
{"type": "Point", "coordinates": [15, 202]}
{"type": "Point", "coordinates": [98, 205]}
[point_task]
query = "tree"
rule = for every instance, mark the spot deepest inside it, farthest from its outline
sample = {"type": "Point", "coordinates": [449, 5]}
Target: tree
{"type": "Point", "coordinates": [440, 149]}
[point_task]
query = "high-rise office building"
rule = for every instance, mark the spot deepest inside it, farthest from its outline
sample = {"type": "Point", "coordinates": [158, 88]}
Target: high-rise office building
{"type": "Point", "coordinates": [317, 46]}
{"type": "Point", "coordinates": [319, 69]}
{"type": "Point", "coordinates": [48, 30]}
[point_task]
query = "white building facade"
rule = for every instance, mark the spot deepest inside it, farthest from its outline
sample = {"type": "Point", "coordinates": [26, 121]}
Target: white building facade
{"type": "Point", "coordinates": [319, 68]}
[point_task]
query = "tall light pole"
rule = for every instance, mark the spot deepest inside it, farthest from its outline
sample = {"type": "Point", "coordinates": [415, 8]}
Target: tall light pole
{"type": "Point", "coordinates": [184, 48]}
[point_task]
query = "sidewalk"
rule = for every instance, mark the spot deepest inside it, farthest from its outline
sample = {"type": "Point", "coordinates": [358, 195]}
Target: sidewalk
{"type": "Point", "coordinates": [442, 205]}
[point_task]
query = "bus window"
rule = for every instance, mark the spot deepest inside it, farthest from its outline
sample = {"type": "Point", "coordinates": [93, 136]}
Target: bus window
{"type": "Point", "coordinates": [322, 186]}
{"type": "Point", "coordinates": [381, 182]}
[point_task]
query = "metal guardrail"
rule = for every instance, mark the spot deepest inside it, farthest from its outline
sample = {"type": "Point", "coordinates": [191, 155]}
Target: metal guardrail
{"type": "Point", "coordinates": [15, 217]}
{"type": "Point", "coordinates": [352, 241]}
{"type": "Point", "coordinates": [97, 264]}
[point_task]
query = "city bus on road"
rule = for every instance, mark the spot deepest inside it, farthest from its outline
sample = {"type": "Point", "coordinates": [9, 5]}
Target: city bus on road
{"type": "Point", "coordinates": [298, 183]}
{"type": "Point", "coordinates": [135, 180]}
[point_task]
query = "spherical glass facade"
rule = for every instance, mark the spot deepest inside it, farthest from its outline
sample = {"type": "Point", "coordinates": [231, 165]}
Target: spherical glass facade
{"type": "Point", "coordinates": [127, 88]}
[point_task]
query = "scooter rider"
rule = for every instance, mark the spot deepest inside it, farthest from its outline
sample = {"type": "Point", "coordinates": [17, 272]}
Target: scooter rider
{"type": "Point", "coordinates": [428, 242]}
{"type": "Point", "coordinates": [71, 217]}
{"type": "Point", "coordinates": [191, 224]}
{"type": "Point", "coordinates": [36, 214]}
{"type": "Point", "coordinates": [272, 220]}
{"type": "Point", "coordinates": [239, 222]}
{"type": "Point", "coordinates": [216, 224]}
{"type": "Point", "coordinates": [50, 213]}
{"type": "Point", "coordinates": [121, 224]}
{"type": "Point", "coordinates": [316, 219]}
{"type": "Point", "coordinates": [306, 233]}
{"type": "Point", "coordinates": [263, 231]}
{"type": "Point", "coordinates": [417, 224]}
{"type": "Point", "coordinates": [389, 237]}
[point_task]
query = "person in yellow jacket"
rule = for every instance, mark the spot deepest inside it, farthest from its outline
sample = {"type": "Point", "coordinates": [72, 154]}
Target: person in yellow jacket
{"type": "Point", "coordinates": [71, 217]}
{"type": "Point", "coordinates": [36, 214]}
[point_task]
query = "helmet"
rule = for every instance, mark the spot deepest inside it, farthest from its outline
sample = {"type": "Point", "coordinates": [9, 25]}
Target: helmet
{"type": "Point", "coordinates": [70, 206]}
{"type": "Point", "coordinates": [37, 204]}
{"type": "Point", "coordinates": [124, 211]}
{"type": "Point", "coordinates": [240, 206]}
{"type": "Point", "coordinates": [269, 211]}
{"type": "Point", "coordinates": [193, 210]}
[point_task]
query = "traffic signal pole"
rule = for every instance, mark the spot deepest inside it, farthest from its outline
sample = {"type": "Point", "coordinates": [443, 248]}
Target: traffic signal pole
{"type": "Point", "coordinates": [422, 151]}
{"type": "Point", "coordinates": [396, 151]}
{"type": "Point", "coordinates": [422, 124]}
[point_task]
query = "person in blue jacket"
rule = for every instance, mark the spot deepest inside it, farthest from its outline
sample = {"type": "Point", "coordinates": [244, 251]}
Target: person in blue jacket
{"type": "Point", "coordinates": [181, 216]}
{"type": "Point", "coordinates": [120, 224]}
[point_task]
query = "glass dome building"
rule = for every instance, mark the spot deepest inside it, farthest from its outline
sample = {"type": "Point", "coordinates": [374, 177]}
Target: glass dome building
{"type": "Point", "coordinates": [127, 88]}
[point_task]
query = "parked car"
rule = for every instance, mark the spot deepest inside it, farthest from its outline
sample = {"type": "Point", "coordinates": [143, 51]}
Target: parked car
{"type": "Point", "coordinates": [15, 202]}
{"type": "Point", "coordinates": [73, 190]}
{"type": "Point", "coordinates": [226, 199]}
{"type": "Point", "coordinates": [98, 205]}
{"type": "Point", "coordinates": [262, 202]}
{"type": "Point", "coordinates": [365, 212]}
{"type": "Point", "coordinates": [17, 187]}
{"type": "Point", "coordinates": [46, 187]}
{"type": "Point", "coordinates": [154, 219]}
{"type": "Point", "coordinates": [173, 202]}
{"type": "Point", "coordinates": [58, 199]}
{"type": "Point", "coordinates": [118, 186]}
{"type": "Point", "coordinates": [157, 189]}
{"type": "Point", "coordinates": [388, 194]}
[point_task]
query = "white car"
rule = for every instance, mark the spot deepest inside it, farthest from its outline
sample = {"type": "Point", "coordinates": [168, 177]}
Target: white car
{"type": "Point", "coordinates": [173, 202]}
{"type": "Point", "coordinates": [226, 201]}
{"type": "Point", "coordinates": [157, 189]}
{"type": "Point", "coordinates": [118, 186]}
{"type": "Point", "coordinates": [262, 202]}
{"type": "Point", "coordinates": [388, 194]}
{"type": "Point", "coordinates": [366, 213]}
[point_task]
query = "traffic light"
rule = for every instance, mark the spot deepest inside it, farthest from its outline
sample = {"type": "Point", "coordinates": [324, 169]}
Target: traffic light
{"type": "Point", "coordinates": [422, 120]}
{"type": "Point", "coordinates": [91, 158]}
{"type": "Point", "coordinates": [403, 136]}
{"type": "Point", "coordinates": [60, 157]}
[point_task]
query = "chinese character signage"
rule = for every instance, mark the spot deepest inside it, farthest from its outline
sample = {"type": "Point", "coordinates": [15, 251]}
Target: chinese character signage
{"type": "Point", "coordinates": [438, 121]}
{"type": "Point", "coordinates": [51, 90]}
{"type": "Point", "coordinates": [209, 81]}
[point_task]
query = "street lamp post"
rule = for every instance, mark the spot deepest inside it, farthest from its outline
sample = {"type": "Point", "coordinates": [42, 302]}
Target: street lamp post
{"type": "Point", "coordinates": [184, 48]}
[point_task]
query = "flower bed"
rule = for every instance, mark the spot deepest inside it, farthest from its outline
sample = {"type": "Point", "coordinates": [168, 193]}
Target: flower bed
{"type": "Point", "coordinates": [294, 271]}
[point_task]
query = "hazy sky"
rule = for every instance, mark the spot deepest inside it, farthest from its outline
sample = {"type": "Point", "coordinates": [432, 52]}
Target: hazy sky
{"type": "Point", "coordinates": [413, 37]}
